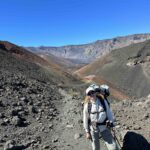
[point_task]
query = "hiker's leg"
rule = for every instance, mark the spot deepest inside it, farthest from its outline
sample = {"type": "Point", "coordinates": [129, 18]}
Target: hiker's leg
{"type": "Point", "coordinates": [95, 140]}
{"type": "Point", "coordinates": [109, 140]}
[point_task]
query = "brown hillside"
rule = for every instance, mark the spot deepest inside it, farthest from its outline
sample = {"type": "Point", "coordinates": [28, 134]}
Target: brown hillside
{"type": "Point", "coordinates": [126, 68]}
{"type": "Point", "coordinates": [115, 92]}
{"type": "Point", "coordinates": [23, 53]}
{"type": "Point", "coordinates": [55, 70]}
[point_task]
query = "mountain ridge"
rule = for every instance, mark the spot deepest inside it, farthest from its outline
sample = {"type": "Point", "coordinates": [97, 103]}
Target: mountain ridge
{"type": "Point", "coordinates": [88, 52]}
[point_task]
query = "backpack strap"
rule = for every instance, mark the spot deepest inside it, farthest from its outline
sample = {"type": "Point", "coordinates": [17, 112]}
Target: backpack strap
{"type": "Point", "coordinates": [89, 112]}
{"type": "Point", "coordinates": [89, 107]}
{"type": "Point", "coordinates": [102, 102]}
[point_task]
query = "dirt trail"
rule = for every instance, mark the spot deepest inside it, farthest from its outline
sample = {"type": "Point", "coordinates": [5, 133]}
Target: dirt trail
{"type": "Point", "coordinates": [68, 127]}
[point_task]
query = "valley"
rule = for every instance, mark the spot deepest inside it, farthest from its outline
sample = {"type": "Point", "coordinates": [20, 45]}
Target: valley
{"type": "Point", "coordinates": [41, 94]}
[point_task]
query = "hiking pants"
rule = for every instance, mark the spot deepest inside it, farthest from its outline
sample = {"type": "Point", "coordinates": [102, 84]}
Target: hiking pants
{"type": "Point", "coordinates": [107, 137]}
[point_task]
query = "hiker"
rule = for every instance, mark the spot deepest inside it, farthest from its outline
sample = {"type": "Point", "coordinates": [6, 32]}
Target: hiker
{"type": "Point", "coordinates": [97, 119]}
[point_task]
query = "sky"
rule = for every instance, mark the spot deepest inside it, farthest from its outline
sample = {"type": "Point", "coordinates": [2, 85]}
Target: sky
{"type": "Point", "coordinates": [67, 22]}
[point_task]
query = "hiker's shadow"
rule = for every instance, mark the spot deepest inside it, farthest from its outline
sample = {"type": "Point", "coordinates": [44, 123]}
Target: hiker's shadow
{"type": "Point", "coordinates": [134, 141]}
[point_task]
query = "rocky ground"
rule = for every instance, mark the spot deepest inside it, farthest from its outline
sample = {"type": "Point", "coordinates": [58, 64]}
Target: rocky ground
{"type": "Point", "coordinates": [36, 115]}
{"type": "Point", "coordinates": [27, 108]}
{"type": "Point", "coordinates": [133, 115]}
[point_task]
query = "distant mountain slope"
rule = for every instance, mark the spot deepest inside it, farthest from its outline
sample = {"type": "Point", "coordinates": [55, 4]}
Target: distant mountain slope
{"type": "Point", "coordinates": [127, 68]}
{"type": "Point", "coordinates": [62, 62]}
{"type": "Point", "coordinates": [88, 52]}
{"type": "Point", "coordinates": [17, 54]}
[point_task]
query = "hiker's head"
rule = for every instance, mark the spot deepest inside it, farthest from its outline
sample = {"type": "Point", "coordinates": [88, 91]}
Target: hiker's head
{"type": "Point", "coordinates": [90, 91]}
{"type": "Point", "coordinates": [104, 89]}
{"type": "Point", "coordinates": [90, 94]}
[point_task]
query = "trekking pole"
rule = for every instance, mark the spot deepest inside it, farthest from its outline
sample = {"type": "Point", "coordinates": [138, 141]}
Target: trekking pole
{"type": "Point", "coordinates": [115, 137]}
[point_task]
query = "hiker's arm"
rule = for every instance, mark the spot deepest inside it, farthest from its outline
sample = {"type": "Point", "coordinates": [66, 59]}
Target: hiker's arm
{"type": "Point", "coordinates": [85, 121]}
{"type": "Point", "coordinates": [85, 118]}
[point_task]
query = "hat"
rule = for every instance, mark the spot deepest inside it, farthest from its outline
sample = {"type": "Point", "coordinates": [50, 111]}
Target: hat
{"type": "Point", "coordinates": [89, 89]}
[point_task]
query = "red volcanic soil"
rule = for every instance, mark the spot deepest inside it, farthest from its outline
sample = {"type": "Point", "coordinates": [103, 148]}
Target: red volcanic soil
{"type": "Point", "coordinates": [94, 65]}
{"type": "Point", "coordinates": [22, 53]}
{"type": "Point", "coordinates": [82, 72]}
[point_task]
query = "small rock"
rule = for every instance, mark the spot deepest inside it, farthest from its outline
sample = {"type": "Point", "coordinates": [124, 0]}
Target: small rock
{"type": "Point", "coordinates": [55, 140]}
{"type": "Point", "coordinates": [77, 136]}
{"type": "Point", "coordinates": [126, 127]}
{"type": "Point", "coordinates": [1, 104]}
{"type": "Point", "coordinates": [69, 126]}
{"type": "Point", "coordinates": [6, 120]}
{"type": "Point", "coordinates": [146, 116]}
{"type": "Point", "coordinates": [33, 109]}
{"type": "Point", "coordinates": [38, 118]}
{"type": "Point", "coordinates": [147, 103]}
{"type": "Point", "coordinates": [46, 146]}
{"type": "Point", "coordinates": [14, 112]}
{"type": "Point", "coordinates": [2, 115]}
{"type": "Point", "coordinates": [136, 127]}
{"type": "Point", "coordinates": [50, 126]}
{"type": "Point", "coordinates": [118, 126]}
{"type": "Point", "coordinates": [42, 129]}
{"type": "Point", "coordinates": [80, 121]}
{"type": "Point", "coordinates": [139, 104]}
{"type": "Point", "coordinates": [22, 98]}
{"type": "Point", "coordinates": [9, 145]}
{"type": "Point", "coordinates": [17, 121]}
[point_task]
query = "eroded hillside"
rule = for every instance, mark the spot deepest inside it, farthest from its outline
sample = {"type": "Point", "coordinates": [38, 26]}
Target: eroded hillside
{"type": "Point", "coordinates": [126, 68]}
